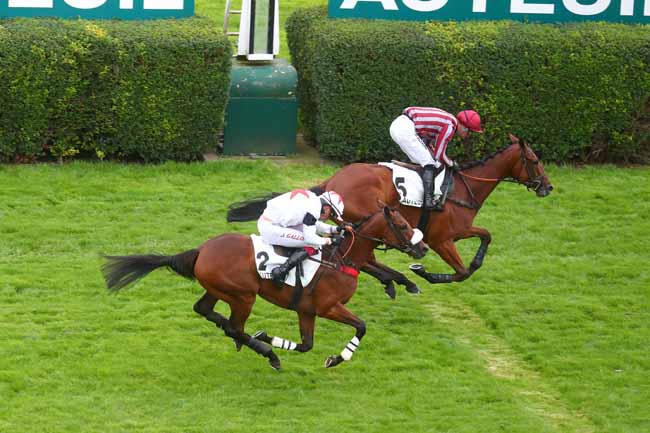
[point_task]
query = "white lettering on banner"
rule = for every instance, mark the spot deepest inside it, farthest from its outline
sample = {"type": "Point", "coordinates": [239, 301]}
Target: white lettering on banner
{"type": "Point", "coordinates": [31, 4]}
{"type": "Point", "coordinates": [388, 5]}
{"type": "Point", "coordinates": [163, 4]}
{"type": "Point", "coordinates": [580, 9]}
{"type": "Point", "coordinates": [85, 4]}
{"type": "Point", "coordinates": [479, 6]}
{"type": "Point", "coordinates": [627, 7]}
{"type": "Point", "coordinates": [521, 7]}
{"type": "Point", "coordinates": [646, 10]}
{"type": "Point", "coordinates": [126, 4]}
{"type": "Point", "coordinates": [425, 5]}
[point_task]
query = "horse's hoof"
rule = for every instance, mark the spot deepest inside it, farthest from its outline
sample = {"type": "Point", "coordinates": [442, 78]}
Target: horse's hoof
{"type": "Point", "coordinates": [333, 361]}
{"type": "Point", "coordinates": [238, 345]}
{"type": "Point", "coordinates": [274, 362]}
{"type": "Point", "coordinates": [390, 290]}
{"type": "Point", "coordinates": [413, 289]}
{"type": "Point", "coordinates": [262, 336]}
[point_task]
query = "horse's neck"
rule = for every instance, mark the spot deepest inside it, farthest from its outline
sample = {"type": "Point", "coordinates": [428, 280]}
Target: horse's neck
{"type": "Point", "coordinates": [498, 167]}
{"type": "Point", "coordinates": [361, 251]}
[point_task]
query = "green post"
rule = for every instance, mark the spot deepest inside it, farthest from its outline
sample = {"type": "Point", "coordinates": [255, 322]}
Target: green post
{"type": "Point", "coordinates": [262, 112]}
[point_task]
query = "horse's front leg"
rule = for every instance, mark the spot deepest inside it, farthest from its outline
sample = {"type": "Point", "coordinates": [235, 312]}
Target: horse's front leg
{"type": "Point", "coordinates": [340, 313]}
{"type": "Point", "coordinates": [399, 278]}
{"type": "Point", "coordinates": [448, 252]}
{"type": "Point", "coordinates": [306, 323]}
{"type": "Point", "coordinates": [387, 275]}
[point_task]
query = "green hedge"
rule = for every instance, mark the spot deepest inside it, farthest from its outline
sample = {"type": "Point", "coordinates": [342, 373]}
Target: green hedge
{"type": "Point", "coordinates": [577, 92]}
{"type": "Point", "coordinates": [148, 90]}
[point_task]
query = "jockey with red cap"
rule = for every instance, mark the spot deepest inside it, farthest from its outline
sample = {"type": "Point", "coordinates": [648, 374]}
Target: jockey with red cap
{"type": "Point", "coordinates": [423, 134]}
{"type": "Point", "coordinates": [295, 220]}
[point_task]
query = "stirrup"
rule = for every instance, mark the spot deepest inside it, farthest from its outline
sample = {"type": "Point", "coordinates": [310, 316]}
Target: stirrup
{"type": "Point", "coordinates": [437, 203]}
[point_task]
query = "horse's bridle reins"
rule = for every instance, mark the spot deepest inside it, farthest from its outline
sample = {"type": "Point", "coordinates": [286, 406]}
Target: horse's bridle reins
{"type": "Point", "coordinates": [405, 245]}
{"type": "Point", "coordinates": [534, 181]}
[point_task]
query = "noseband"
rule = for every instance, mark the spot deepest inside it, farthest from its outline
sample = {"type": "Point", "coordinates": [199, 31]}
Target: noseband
{"type": "Point", "coordinates": [404, 245]}
{"type": "Point", "coordinates": [534, 182]}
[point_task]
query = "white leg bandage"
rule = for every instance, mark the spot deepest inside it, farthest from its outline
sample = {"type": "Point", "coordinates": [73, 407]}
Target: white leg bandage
{"type": "Point", "coordinates": [350, 348]}
{"type": "Point", "coordinates": [281, 343]}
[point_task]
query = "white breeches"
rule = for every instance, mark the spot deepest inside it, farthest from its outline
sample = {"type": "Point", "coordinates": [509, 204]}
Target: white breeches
{"type": "Point", "coordinates": [402, 131]}
{"type": "Point", "coordinates": [284, 236]}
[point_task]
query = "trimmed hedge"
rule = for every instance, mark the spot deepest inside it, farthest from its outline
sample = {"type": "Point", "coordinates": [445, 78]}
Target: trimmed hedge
{"type": "Point", "coordinates": [577, 92]}
{"type": "Point", "coordinates": [147, 90]}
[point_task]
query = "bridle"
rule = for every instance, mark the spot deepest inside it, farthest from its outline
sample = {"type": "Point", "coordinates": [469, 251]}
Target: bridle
{"type": "Point", "coordinates": [534, 182]}
{"type": "Point", "coordinates": [404, 245]}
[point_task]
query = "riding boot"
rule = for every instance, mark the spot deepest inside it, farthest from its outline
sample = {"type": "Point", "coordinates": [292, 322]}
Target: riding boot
{"type": "Point", "coordinates": [427, 182]}
{"type": "Point", "coordinates": [280, 273]}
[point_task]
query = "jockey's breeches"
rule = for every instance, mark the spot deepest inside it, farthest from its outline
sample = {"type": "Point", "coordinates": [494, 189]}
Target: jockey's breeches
{"type": "Point", "coordinates": [278, 235]}
{"type": "Point", "coordinates": [402, 131]}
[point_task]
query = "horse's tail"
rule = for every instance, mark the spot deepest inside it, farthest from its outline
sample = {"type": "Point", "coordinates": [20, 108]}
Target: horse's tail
{"type": "Point", "coordinates": [120, 271]}
{"type": "Point", "coordinates": [249, 210]}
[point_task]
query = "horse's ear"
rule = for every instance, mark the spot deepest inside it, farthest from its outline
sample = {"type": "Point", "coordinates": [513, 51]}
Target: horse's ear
{"type": "Point", "coordinates": [513, 139]}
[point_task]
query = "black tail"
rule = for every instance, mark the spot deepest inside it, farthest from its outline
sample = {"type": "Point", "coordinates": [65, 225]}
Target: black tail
{"type": "Point", "coordinates": [120, 271]}
{"type": "Point", "coordinates": [249, 210]}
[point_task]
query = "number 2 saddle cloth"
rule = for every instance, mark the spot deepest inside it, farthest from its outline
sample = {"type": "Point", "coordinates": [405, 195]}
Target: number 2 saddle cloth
{"type": "Point", "coordinates": [266, 259]}
{"type": "Point", "coordinates": [408, 182]}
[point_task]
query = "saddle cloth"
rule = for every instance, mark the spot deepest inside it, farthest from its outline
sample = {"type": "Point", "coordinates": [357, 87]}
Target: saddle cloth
{"type": "Point", "coordinates": [408, 184]}
{"type": "Point", "coordinates": [266, 259]}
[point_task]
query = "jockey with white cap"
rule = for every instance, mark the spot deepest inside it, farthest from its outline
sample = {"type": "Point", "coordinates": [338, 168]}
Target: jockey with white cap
{"type": "Point", "coordinates": [295, 220]}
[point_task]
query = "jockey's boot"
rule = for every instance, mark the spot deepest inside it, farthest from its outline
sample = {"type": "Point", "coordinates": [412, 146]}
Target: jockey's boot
{"type": "Point", "coordinates": [428, 176]}
{"type": "Point", "coordinates": [280, 273]}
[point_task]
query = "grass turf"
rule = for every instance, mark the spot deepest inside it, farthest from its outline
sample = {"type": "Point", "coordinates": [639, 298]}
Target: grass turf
{"type": "Point", "coordinates": [550, 335]}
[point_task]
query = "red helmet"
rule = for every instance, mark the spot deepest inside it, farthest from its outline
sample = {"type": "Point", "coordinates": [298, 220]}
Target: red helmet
{"type": "Point", "coordinates": [470, 120]}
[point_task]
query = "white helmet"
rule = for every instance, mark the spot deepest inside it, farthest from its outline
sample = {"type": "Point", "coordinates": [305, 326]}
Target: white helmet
{"type": "Point", "coordinates": [334, 200]}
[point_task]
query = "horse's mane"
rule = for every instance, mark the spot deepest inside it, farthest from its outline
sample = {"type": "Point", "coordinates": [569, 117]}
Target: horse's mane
{"type": "Point", "coordinates": [482, 161]}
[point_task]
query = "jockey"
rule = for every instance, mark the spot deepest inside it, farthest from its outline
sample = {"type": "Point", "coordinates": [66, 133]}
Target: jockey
{"type": "Point", "coordinates": [423, 134]}
{"type": "Point", "coordinates": [295, 220]}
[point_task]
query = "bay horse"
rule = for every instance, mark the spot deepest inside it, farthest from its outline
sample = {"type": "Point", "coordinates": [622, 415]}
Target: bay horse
{"type": "Point", "coordinates": [225, 267]}
{"type": "Point", "coordinates": [361, 185]}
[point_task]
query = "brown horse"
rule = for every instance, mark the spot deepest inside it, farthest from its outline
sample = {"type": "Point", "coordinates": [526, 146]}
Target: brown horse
{"type": "Point", "coordinates": [226, 269]}
{"type": "Point", "coordinates": [361, 185]}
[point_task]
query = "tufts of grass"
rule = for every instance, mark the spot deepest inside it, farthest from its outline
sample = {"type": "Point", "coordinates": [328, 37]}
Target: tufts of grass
{"type": "Point", "coordinates": [549, 336]}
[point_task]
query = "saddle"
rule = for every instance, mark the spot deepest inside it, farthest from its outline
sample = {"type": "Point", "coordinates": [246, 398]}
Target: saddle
{"type": "Point", "coordinates": [407, 179]}
{"type": "Point", "coordinates": [284, 251]}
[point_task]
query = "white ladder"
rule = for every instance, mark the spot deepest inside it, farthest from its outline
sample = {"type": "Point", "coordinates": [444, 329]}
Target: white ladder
{"type": "Point", "coordinates": [226, 21]}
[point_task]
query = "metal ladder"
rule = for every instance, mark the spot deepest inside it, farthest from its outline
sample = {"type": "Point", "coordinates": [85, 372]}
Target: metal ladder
{"type": "Point", "coordinates": [226, 20]}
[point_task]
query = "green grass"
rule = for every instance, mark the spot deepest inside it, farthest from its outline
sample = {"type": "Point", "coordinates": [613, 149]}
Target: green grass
{"type": "Point", "coordinates": [215, 11]}
{"type": "Point", "coordinates": [551, 335]}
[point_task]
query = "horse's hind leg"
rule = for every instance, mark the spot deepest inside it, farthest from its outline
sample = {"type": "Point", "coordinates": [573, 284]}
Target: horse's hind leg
{"type": "Point", "coordinates": [307, 323]}
{"type": "Point", "coordinates": [234, 328]}
{"type": "Point", "coordinates": [205, 307]}
{"type": "Point", "coordinates": [239, 312]}
{"type": "Point", "coordinates": [340, 313]}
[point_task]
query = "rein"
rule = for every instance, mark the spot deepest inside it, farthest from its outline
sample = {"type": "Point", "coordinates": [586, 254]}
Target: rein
{"type": "Point", "coordinates": [534, 182]}
{"type": "Point", "coordinates": [404, 244]}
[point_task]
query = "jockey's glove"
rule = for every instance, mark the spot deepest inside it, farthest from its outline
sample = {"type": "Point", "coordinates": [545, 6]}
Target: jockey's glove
{"type": "Point", "coordinates": [345, 227]}
{"type": "Point", "coordinates": [336, 240]}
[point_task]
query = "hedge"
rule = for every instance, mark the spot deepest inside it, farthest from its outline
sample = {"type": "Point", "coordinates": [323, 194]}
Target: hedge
{"type": "Point", "coordinates": [577, 92]}
{"type": "Point", "coordinates": [148, 90]}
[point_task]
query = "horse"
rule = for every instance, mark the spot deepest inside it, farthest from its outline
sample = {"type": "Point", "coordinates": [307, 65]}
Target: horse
{"type": "Point", "coordinates": [226, 269]}
{"type": "Point", "coordinates": [361, 185]}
